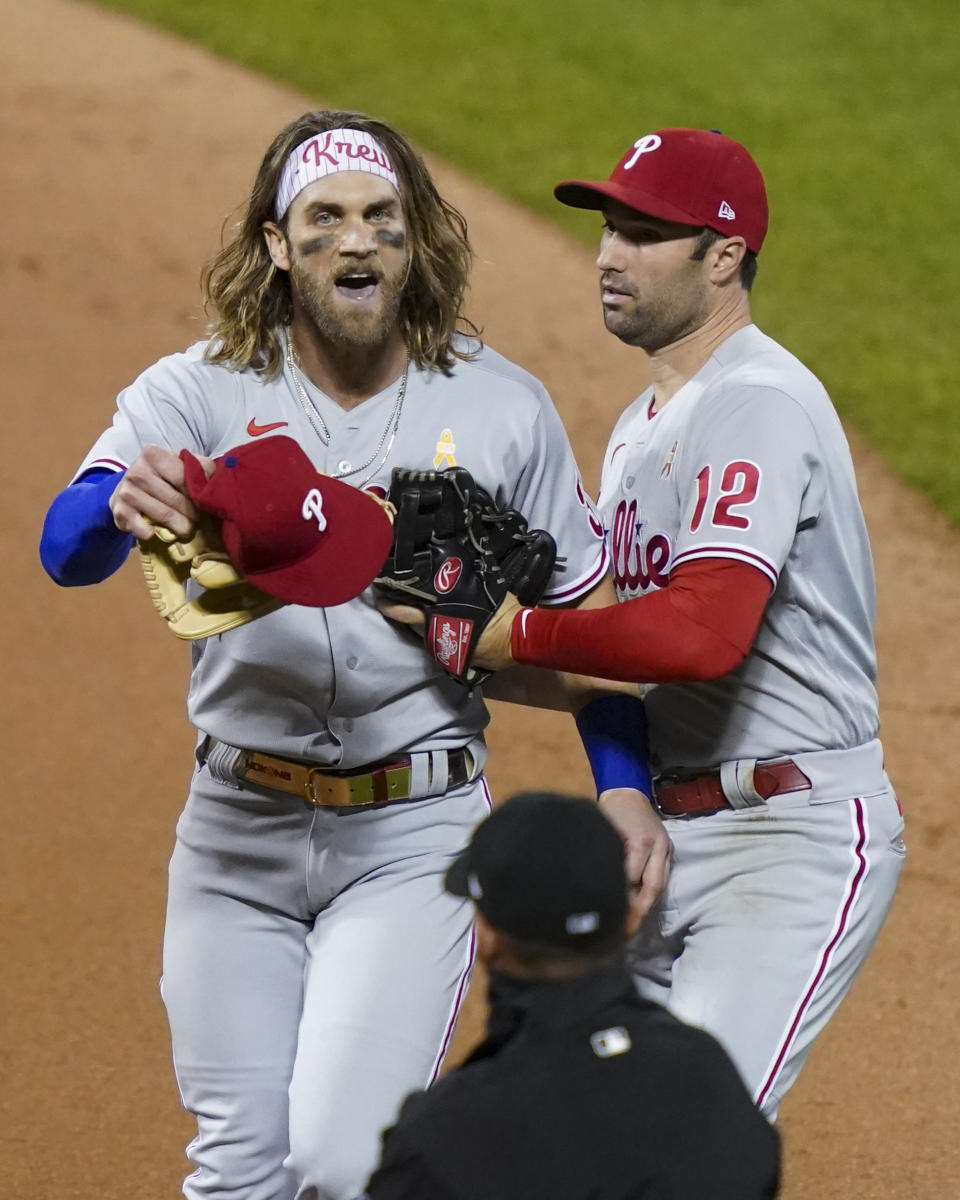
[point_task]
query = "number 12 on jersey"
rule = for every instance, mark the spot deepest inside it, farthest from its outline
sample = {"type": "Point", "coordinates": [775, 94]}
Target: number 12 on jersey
{"type": "Point", "coordinates": [739, 485]}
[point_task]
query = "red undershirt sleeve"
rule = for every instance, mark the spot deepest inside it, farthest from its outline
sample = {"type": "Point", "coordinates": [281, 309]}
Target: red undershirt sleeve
{"type": "Point", "coordinates": [698, 627]}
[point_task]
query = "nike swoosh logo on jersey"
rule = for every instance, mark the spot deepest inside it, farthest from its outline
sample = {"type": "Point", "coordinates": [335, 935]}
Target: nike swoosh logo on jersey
{"type": "Point", "coordinates": [256, 430]}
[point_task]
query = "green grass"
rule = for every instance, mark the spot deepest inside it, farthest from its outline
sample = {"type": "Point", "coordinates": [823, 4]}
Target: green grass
{"type": "Point", "coordinates": [851, 107]}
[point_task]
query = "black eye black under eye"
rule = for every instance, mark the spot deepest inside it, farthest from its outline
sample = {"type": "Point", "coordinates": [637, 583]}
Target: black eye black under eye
{"type": "Point", "coordinates": [392, 237]}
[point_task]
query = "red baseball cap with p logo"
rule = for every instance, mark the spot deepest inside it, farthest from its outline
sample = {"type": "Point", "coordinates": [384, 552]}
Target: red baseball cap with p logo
{"type": "Point", "coordinates": [301, 536]}
{"type": "Point", "coordinates": [691, 176]}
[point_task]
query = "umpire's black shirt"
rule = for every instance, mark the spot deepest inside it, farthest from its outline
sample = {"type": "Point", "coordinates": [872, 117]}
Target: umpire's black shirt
{"type": "Point", "coordinates": [582, 1091]}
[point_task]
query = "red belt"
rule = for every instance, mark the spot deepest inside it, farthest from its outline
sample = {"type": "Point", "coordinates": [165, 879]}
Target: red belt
{"type": "Point", "coordinates": [703, 794]}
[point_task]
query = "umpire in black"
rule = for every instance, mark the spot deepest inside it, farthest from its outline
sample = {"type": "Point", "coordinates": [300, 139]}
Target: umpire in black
{"type": "Point", "coordinates": [581, 1090]}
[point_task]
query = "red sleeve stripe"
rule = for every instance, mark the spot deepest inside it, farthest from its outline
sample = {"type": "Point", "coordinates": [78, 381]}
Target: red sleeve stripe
{"type": "Point", "coordinates": [100, 464]}
{"type": "Point", "coordinates": [580, 586]}
{"type": "Point", "coordinates": [735, 552]}
{"type": "Point", "coordinates": [106, 464]}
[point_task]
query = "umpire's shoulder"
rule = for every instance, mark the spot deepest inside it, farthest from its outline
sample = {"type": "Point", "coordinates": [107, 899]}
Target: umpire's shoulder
{"type": "Point", "coordinates": [416, 1123]}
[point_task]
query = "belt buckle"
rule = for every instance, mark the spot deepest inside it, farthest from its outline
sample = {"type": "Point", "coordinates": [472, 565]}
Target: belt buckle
{"type": "Point", "coordinates": [661, 780]}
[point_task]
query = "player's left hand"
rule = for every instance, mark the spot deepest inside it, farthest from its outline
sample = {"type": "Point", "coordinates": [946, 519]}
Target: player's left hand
{"type": "Point", "coordinates": [492, 652]}
{"type": "Point", "coordinates": [649, 849]}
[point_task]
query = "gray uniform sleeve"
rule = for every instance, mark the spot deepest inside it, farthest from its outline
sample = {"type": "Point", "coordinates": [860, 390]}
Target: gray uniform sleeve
{"type": "Point", "coordinates": [169, 405]}
{"type": "Point", "coordinates": [747, 478]}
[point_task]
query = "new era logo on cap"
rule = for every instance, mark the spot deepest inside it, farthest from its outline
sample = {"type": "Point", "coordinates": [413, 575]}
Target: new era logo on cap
{"type": "Point", "coordinates": [693, 177]}
{"type": "Point", "coordinates": [298, 535]}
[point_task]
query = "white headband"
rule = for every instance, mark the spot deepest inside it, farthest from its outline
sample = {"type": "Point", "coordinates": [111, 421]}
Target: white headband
{"type": "Point", "coordinates": [326, 154]}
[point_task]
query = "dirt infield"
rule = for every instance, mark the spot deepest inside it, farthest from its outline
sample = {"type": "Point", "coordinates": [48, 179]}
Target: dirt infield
{"type": "Point", "coordinates": [123, 151]}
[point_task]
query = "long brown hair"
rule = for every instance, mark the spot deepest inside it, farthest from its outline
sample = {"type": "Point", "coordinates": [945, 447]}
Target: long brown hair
{"type": "Point", "coordinates": [250, 298]}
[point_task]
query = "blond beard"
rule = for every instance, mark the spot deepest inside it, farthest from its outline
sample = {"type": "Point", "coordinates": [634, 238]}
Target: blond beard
{"type": "Point", "coordinates": [358, 328]}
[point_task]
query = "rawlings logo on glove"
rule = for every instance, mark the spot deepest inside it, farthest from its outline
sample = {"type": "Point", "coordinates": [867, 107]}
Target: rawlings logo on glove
{"type": "Point", "coordinates": [448, 575]}
{"type": "Point", "coordinates": [448, 640]}
{"type": "Point", "coordinates": [456, 555]}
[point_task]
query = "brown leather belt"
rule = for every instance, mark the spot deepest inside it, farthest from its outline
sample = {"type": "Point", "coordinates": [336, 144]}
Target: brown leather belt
{"type": "Point", "coordinates": [703, 793]}
{"type": "Point", "coordinates": [376, 783]}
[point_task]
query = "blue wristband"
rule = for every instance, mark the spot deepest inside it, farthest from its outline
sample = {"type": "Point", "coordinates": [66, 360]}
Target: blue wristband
{"type": "Point", "coordinates": [613, 730]}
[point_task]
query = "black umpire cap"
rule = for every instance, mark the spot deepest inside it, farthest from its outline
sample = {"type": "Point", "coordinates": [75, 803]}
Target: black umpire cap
{"type": "Point", "coordinates": [546, 868]}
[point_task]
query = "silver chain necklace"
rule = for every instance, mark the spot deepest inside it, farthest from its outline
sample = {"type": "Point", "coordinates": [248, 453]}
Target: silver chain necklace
{"type": "Point", "coordinates": [320, 426]}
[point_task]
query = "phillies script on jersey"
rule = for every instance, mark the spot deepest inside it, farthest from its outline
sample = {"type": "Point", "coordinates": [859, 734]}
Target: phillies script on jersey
{"type": "Point", "coordinates": [638, 563]}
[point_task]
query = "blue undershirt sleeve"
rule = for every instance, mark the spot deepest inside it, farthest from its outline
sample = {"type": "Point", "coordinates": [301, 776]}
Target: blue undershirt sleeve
{"type": "Point", "coordinates": [613, 729]}
{"type": "Point", "coordinates": [80, 544]}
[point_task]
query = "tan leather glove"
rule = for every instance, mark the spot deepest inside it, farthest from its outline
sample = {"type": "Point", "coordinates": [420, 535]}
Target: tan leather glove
{"type": "Point", "coordinates": [225, 598]}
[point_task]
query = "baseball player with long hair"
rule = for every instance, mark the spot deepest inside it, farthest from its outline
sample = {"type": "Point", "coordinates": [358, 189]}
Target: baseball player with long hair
{"type": "Point", "coordinates": [313, 964]}
{"type": "Point", "coordinates": [743, 568]}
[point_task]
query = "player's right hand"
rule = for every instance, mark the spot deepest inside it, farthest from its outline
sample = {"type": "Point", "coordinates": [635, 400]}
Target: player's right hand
{"type": "Point", "coordinates": [153, 492]}
{"type": "Point", "coordinates": [648, 846]}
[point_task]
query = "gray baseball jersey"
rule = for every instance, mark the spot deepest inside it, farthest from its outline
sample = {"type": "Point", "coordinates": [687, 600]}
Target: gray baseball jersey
{"type": "Point", "coordinates": [313, 963]}
{"type": "Point", "coordinates": [343, 686]}
{"type": "Point", "coordinates": [748, 461]}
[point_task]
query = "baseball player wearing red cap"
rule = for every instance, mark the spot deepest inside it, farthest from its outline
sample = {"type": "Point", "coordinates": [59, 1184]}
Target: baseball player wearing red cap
{"type": "Point", "coordinates": [742, 564]}
{"type": "Point", "coordinates": [313, 963]}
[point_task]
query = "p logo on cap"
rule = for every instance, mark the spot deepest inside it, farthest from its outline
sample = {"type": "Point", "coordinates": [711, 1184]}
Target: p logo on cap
{"type": "Point", "coordinates": [313, 507]}
{"type": "Point", "coordinates": [297, 534]}
{"type": "Point", "coordinates": [693, 177]}
{"type": "Point", "coordinates": [644, 145]}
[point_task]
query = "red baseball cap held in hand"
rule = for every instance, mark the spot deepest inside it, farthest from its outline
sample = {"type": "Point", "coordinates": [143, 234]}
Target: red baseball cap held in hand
{"type": "Point", "coordinates": [296, 534]}
{"type": "Point", "coordinates": [692, 176]}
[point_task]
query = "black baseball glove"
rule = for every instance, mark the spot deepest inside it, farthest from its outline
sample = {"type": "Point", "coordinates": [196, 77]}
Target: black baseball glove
{"type": "Point", "coordinates": [456, 555]}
